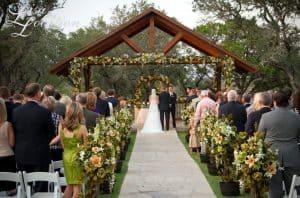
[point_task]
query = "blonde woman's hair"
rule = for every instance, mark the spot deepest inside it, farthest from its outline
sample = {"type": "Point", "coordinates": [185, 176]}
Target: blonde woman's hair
{"type": "Point", "coordinates": [256, 101]}
{"type": "Point", "coordinates": [66, 100]}
{"type": "Point", "coordinates": [74, 116]}
{"type": "Point", "coordinates": [91, 100]}
{"type": "Point", "coordinates": [49, 103]}
{"type": "Point", "coordinates": [3, 112]}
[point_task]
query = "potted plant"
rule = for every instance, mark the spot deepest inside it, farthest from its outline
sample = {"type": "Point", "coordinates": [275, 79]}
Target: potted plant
{"type": "Point", "coordinates": [256, 163]}
{"type": "Point", "coordinates": [206, 130]}
{"type": "Point", "coordinates": [224, 140]}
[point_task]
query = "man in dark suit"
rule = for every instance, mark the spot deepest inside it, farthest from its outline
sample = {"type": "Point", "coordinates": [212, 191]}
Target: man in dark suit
{"type": "Point", "coordinates": [18, 100]}
{"type": "Point", "coordinates": [246, 100]}
{"type": "Point", "coordinates": [235, 111]}
{"type": "Point", "coordinates": [89, 116]}
{"type": "Point", "coordinates": [164, 107]}
{"type": "Point", "coordinates": [111, 98]}
{"type": "Point", "coordinates": [101, 105]}
{"type": "Point", "coordinates": [5, 94]}
{"type": "Point", "coordinates": [190, 95]}
{"type": "Point", "coordinates": [34, 130]}
{"type": "Point", "coordinates": [173, 99]}
{"type": "Point", "coordinates": [59, 107]}
{"type": "Point", "coordinates": [264, 104]}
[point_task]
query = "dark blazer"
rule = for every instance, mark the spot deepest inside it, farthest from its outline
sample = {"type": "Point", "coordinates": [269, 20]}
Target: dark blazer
{"type": "Point", "coordinates": [90, 118]}
{"type": "Point", "coordinates": [102, 107]}
{"type": "Point", "coordinates": [34, 130]}
{"type": "Point", "coordinates": [113, 101]}
{"type": "Point", "coordinates": [190, 98]}
{"type": "Point", "coordinates": [60, 109]}
{"type": "Point", "coordinates": [9, 109]}
{"type": "Point", "coordinates": [236, 112]}
{"type": "Point", "coordinates": [164, 101]}
{"type": "Point", "coordinates": [173, 99]}
{"type": "Point", "coordinates": [282, 131]}
{"type": "Point", "coordinates": [254, 119]}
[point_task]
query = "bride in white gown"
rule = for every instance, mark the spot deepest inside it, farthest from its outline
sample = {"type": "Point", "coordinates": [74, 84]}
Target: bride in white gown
{"type": "Point", "coordinates": [152, 123]}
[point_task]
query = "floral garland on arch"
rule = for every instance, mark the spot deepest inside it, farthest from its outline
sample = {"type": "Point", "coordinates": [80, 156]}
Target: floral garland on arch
{"type": "Point", "coordinates": [79, 63]}
{"type": "Point", "coordinates": [146, 79]}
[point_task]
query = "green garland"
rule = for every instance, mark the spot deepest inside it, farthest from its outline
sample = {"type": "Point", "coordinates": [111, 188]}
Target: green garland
{"type": "Point", "coordinates": [79, 63]}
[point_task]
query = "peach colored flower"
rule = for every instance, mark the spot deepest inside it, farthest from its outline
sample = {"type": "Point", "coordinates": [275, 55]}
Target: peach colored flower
{"type": "Point", "coordinates": [250, 161]}
{"type": "Point", "coordinates": [96, 161]}
{"type": "Point", "coordinates": [95, 149]}
{"type": "Point", "coordinates": [272, 168]}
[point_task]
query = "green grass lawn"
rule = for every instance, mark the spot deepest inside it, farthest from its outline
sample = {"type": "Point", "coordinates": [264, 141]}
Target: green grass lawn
{"type": "Point", "coordinates": [212, 180]}
{"type": "Point", "coordinates": [120, 176]}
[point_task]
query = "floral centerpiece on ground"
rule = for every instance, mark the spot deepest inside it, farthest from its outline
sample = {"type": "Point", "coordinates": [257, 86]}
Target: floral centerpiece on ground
{"type": "Point", "coordinates": [125, 118]}
{"type": "Point", "coordinates": [256, 163]}
{"type": "Point", "coordinates": [186, 114]}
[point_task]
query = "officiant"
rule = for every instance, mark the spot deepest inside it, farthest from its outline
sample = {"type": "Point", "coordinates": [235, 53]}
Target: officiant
{"type": "Point", "coordinates": [173, 99]}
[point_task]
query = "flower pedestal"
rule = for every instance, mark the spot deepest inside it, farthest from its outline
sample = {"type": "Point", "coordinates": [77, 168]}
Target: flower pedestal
{"type": "Point", "coordinates": [230, 188]}
{"type": "Point", "coordinates": [204, 158]}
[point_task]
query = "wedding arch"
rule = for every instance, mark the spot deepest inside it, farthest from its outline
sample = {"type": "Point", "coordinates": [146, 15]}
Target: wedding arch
{"type": "Point", "coordinates": [137, 101]}
{"type": "Point", "coordinates": [78, 64]}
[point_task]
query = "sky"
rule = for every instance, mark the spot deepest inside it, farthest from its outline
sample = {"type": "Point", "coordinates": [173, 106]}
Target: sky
{"type": "Point", "coordinates": [78, 13]}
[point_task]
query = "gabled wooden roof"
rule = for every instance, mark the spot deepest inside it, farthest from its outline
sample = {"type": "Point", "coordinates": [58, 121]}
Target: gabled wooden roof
{"type": "Point", "coordinates": [150, 18]}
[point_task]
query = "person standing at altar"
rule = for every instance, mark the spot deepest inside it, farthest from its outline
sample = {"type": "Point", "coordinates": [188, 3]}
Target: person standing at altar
{"type": "Point", "coordinates": [164, 107]}
{"type": "Point", "coordinates": [173, 99]}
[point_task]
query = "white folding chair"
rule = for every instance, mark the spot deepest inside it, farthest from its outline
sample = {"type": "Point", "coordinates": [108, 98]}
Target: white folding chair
{"type": "Point", "coordinates": [42, 177]}
{"type": "Point", "coordinates": [14, 177]}
{"type": "Point", "coordinates": [57, 165]}
{"type": "Point", "coordinates": [293, 191]}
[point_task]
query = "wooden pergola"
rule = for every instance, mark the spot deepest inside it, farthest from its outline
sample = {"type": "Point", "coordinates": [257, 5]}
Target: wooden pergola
{"type": "Point", "coordinates": [152, 19]}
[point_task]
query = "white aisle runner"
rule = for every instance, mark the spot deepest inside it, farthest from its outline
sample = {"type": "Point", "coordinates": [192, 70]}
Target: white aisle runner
{"type": "Point", "coordinates": [161, 167]}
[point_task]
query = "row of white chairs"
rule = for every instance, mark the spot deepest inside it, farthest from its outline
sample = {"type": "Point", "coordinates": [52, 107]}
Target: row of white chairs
{"type": "Point", "coordinates": [23, 181]}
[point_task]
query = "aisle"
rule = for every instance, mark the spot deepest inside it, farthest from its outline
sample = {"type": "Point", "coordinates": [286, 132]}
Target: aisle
{"type": "Point", "coordinates": [161, 167]}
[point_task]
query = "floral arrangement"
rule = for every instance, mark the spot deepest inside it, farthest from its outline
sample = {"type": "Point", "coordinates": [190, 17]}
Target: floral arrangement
{"type": "Point", "coordinates": [228, 70]}
{"type": "Point", "coordinates": [100, 152]}
{"type": "Point", "coordinates": [187, 113]}
{"type": "Point", "coordinates": [206, 131]}
{"type": "Point", "coordinates": [256, 163]}
{"type": "Point", "coordinates": [79, 63]}
{"type": "Point", "coordinates": [224, 141]}
{"type": "Point", "coordinates": [97, 156]}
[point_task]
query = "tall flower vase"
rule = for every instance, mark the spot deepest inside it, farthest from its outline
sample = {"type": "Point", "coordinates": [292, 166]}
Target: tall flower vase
{"type": "Point", "coordinates": [255, 192]}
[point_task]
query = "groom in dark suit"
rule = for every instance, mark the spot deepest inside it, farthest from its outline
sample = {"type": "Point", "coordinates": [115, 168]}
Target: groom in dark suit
{"type": "Point", "coordinates": [164, 107]}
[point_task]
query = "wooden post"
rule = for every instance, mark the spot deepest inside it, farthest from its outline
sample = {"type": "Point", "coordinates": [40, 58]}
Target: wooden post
{"type": "Point", "coordinates": [218, 76]}
{"type": "Point", "coordinates": [151, 34]}
{"type": "Point", "coordinates": [87, 73]}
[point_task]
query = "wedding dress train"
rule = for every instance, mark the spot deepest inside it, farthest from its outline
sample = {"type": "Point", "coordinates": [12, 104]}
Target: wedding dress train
{"type": "Point", "coordinates": [152, 123]}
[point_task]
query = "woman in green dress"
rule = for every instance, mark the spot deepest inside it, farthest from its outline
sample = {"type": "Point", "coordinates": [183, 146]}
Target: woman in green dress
{"type": "Point", "coordinates": [72, 133]}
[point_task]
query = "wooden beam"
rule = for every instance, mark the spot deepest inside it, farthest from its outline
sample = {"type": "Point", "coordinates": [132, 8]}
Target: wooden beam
{"type": "Point", "coordinates": [151, 35]}
{"type": "Point", "coordinates": [132, 44]}
{"type": "Point", "coordinates": [172, 43]}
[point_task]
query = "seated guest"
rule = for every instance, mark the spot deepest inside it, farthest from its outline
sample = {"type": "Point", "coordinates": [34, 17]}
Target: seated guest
{"type": "Point", "coordinates": [5, 94]}
{"type": "Point", "coordinates": [264, 100]}
{"type": "Point", "coordinates": [235, 111]}
{"type": "Point", "coordinates": [111, 98]}
{"type": "Point", "coordinates": [55, 148]}
{"type": "Point", "coordinates": [7, 142]}
{"type": "Point", "coordinates": [18, 100]}
{"type": "Point", "coordinates": [282, 131]}
{"type": "Point", "coordinates": [34, 130]}
{"type": "Point", "coordinates": [72, 133]}
{"type": "Point", "coordinates": [59, 108]}
{"type": "Point", "coordinates": [89, 116]}
{"type": "Point", "coordinates": [206, 104]}
{"type": "Point", "coordinates": [296, 101]}
{"type": "Point", "coordinates": [101, 105]}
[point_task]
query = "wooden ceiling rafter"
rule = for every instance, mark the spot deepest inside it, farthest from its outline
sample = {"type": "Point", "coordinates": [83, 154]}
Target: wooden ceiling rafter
{"type": "Point", "coordinates": [152, 19]}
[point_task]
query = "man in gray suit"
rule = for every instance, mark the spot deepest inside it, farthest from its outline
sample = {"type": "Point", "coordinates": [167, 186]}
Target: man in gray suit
{"type": "Point", "coordinates": [89, 116]}
{"type": "Point", "coordinates": [282, 131]}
